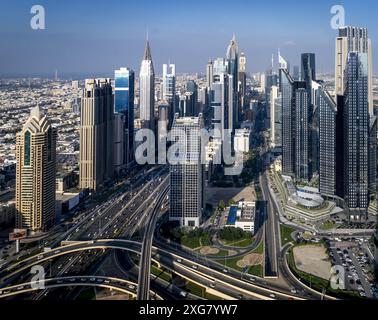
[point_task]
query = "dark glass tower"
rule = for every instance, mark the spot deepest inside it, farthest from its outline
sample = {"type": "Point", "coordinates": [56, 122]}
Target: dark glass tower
{"type": "Point", "coordinates": [124, 107]}
{"type": "Point", "coordinates": [356, 127]}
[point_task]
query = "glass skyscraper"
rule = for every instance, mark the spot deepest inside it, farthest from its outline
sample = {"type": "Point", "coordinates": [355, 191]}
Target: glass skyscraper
{"type": "Point", "coordinates": [124, 114]}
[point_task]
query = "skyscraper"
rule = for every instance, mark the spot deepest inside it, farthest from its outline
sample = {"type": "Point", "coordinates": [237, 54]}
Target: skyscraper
{"type": "Point", "coordinates": [147, 90]}
{"type": "Point", "coordinates": [308, 71]}
{"type": "Point", "coordinates": [233, 72]}
{"type": "Point", "coordinates": [123, 117]}
{"type": "Point", "coordinates": [169, 90]}
{"type": "Point", "coordinates": [220, 105]}
{"type": "Point", "coordinates": [209, 73]}
{"type": "Point", "coordinates": [301, 131]}
{"type": "Point", "coordinates": [356, 131]}
{"type": "Point", "coordinates": [186, 175]}
{"type": "Point", "coordinates": [353, 39]}
{"type": "Point", "coordinates": [327, 144]}
{"type": "Point", "coordinates": [35, 173]}
{"type": "Point", "coordinates": [295, 127]}
{"type": "Point", "coordinates": [96, 133]}
{"type": "Point", "coordinates": [242, 79]}
{"type": "Point", "coordinates": [286, 85]}
{"type": "Point", "coordinates": [276, 117]}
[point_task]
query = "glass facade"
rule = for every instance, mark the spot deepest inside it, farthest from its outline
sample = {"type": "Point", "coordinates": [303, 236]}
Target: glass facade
{"type": "Point", "coordinates": [27, 149]}
{"type": "Point", "coordinates": [124, 105]}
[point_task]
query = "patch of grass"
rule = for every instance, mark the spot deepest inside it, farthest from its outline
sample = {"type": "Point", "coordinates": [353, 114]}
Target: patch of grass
{"type": "Point", "coordinates": [327, 225]}
{"type": "Point", "coordinates": [232, 263]}
{"type": "Point", "coordinates": [286, 234]}
{"type": "Point", "coordinates": [243, 243]}
{"type": "Point", "coordinates": [260, 248]}
{"type": "Point", "coordinates": [256, 270]}
{"type": "Point", "coordinates": [221, 253]}
{"type": "Point", "coordinates": [190, 242]}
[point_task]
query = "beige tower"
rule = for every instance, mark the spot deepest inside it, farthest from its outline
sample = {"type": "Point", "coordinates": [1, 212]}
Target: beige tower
{"type": "Point", "coordinates": [96, 134]}
{"type": "Point", "coordinates": [353, 39]}
{"type": "Point", "coordinates": [35, 173]}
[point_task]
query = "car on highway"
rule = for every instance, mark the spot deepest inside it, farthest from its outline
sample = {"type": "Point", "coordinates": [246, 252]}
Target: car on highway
{"type": "Point", "coordinates": [179, 260]}
{"type": "Point", "coordinates": [272, 295]}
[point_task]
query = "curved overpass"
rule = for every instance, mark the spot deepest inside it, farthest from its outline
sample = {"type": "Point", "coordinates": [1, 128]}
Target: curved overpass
{"type": "Point", "coordinates": [119, 285]}
{"type": "Point", "coordinates": [171, 261]}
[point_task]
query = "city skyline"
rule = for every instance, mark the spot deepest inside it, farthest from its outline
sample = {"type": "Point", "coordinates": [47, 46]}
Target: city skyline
{"type": "Point", "coordinates": [73, 30]}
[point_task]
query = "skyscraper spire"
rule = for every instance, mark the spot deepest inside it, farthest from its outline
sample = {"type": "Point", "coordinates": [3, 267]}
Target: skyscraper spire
{"type": "Point", "coordinates": [147, 52]}
{"type": "Point", "coordinates": [36, 112]}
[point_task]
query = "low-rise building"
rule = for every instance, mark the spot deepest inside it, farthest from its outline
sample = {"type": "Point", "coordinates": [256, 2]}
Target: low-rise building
{"type": "Point", "coordinates": [242, 216]}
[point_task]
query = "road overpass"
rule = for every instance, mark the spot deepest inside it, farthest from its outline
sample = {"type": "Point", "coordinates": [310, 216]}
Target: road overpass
{"type": "Point", "coordinates": [120, 285]}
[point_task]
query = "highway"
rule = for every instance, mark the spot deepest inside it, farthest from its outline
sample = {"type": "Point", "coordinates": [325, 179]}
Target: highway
{"type": "Point", "coordinates": [272, 234]}
{"type": "Point", "coordinates": [127, 209]}
{"type": "Point", "coordinates": [145, 260]}
{"type": "Point", "coordinates": [120, 285]}
{"type": "Point", "coordinates": [202, 274]}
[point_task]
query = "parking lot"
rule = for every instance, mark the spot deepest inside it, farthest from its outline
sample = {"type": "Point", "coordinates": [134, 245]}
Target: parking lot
{"type": "Point", "coordinates": [358, 265]}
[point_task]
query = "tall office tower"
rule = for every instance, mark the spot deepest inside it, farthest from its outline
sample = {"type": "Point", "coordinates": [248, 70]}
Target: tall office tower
{"type": "Point", "coordinates": [242, 79]}
{"type": "Point", "coordinates": [356, 131]}
{"type": "Point", "coordinates": [233, 71]}
{"type": "Point", "coordinates": [276, 117]}
{"type": "Point", "coordinates": [353, 39]}
{"type": "Point", "coordinates": [186, 176]}
{"type": "Point", "coordinates": [219, 67]}
{"type": "Point", "coordinates": [296, 76]}
{"type": "Point", "coordinates": [203, 99]}
{"type": "Point", "coordinates": [328, 158]}
{"type": "Point", "coordinates": [35, 173]}
{"type": "Point", "coordinates": [187, 105]}
{"type": "Point", "coordinates": [147, 90]}
{"type": "Point", "coordinates": [308, 71]}
{"type": "Point", "coordinates": [295, 127]}
{"type": "Point", "coordinates": [192, 87]}
{"type": "Point", "coordinates": [308, 75]}
{"type": "Point", "coordinates": [209, 73]}
{"type": "Point", "coordinates": [301, 131]}
{"type": "Point", "coordinates": [220, 105]}
{"type": "Point", "coordinates": [123, 118]}
{"type": "Point", "coordinates": [169, 90]}
{"type": "Point", "coordinates": [233, 60]}
{"type": "Point", "coordinates": [286, 85]}
{"type": "Point", "coordinates": [96, 133]}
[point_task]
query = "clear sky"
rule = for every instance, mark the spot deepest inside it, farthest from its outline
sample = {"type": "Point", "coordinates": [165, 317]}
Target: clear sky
{"type": "Point", "coordinates": [91, 36]}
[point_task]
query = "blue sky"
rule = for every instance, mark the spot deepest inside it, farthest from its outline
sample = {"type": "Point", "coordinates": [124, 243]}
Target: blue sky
{"type": "Point", "coordinates": [96, 37]}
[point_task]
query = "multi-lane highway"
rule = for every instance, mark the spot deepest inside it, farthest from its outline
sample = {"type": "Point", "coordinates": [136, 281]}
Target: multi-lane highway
{"type": "Point", "coordinates": [121, 285]}
{"type": "Point", "coordinates": [145, 260]}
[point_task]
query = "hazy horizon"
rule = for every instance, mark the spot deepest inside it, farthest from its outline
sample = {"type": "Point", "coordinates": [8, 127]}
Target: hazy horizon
{"type": "Point", "coordinates": [80, 38]}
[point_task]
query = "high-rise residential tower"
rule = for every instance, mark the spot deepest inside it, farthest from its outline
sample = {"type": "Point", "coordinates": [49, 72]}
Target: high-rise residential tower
{"type": "Point", "coordinates": [187, 183]}
{"type": "Point", "coordinates": [356, 131]}
{"type": "Point", "coordinates": [327, 144]}
{"type": "Point", "coordinates": [35, 173]}
{"type": "Point", "coordinates": [96, 133]}
{"type": "Point", "coordinates": [353, 39]}
{"type": "Point", "coordinates": [147, 90]}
